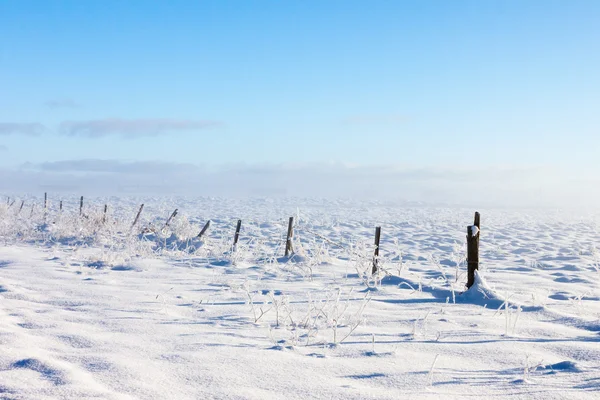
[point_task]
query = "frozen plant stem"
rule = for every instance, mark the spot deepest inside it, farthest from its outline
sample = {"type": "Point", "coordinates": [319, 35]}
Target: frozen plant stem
{"type": "Point", "coordinates": [430, 376]}
{"type": "Point", "coordinates": [373, 343]}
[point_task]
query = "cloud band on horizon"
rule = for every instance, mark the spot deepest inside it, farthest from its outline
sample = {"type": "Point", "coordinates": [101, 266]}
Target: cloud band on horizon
{"type": "Point", "coordinates": [477, 186]}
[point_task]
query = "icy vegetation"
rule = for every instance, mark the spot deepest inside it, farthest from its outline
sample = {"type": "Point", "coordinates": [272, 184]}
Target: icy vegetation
{"type": "Point", "coordinates": [93, 306]}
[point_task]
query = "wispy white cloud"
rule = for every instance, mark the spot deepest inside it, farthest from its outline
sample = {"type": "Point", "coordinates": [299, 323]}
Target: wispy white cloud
{"type": "Point", "coordinates": [131, 128]}
{"type": "Point", "coordinates": [62, 103]}
{"type": "Point", "coordinates": [28, 129]}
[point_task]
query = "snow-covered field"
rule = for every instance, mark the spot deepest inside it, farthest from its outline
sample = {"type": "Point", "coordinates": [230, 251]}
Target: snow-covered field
{"type": "Point", "coordinates": [99, 310]}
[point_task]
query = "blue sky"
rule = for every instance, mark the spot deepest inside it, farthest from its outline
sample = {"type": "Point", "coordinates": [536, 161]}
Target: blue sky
{"type": "Point", "coordinates": [419, 85]}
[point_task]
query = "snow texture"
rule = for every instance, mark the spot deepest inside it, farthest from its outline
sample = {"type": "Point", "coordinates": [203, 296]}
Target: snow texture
{"type": "Point", "coordinates": [94, 310]}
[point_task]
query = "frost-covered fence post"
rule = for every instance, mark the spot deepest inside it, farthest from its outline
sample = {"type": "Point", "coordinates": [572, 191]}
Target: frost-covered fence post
{"type": "Point", "coordinates": [21, 208]}
{"type": "Point", "coordinates": [203, 231]}
{"type": "Point", "coordinates": [105, 211]}
{"type": "Point", "coordinates": [236, 236]}
{"type": "Point", "coordinates": [170, 218]}
{"type": "Point", "coordinates": [60, 206]}
{"type": "Point", "coordinates": [473, 249]}
{"type": "Point", "coordinates": [137, 217]}
{"type": "Point", "coordinates": [376, 254]}
{"type": "Point", "coordinates": [45, 206]}
{"type": "Point", "coordinates": [289, 249]}
{"type": "Point", "coordinates": [81, 206]}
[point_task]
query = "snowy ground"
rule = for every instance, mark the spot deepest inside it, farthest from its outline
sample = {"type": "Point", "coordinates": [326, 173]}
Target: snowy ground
{"type": "Point", "coordinates": [93, 310]}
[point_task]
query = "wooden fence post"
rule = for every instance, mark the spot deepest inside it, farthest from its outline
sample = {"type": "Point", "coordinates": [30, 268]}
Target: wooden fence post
{"type": "Point", "coordinates": [60, 206]}
{"type": "Point", "coordinates": [137, 217]}
{"type": "Point", "coordinates": [105, 211]}
{"type": "Point", "coordinates": [170, 218]}
{"type": "Point", "coordinates": [473, 249]}
{"type": "Point", "coordinates": [81, 206]}
{"type": "Point", "coordinates": [376, 254]}
{"type": "Point", "coordinates": [45, 206]}
{"type": "Point", "coordinates": [236, 237]}
{"type": "Point", "coordinates": [203, 231]}
{"type": "Point", "coordinates": [289, 248]}
{"type": "Point", "coordinates": [21, 208]}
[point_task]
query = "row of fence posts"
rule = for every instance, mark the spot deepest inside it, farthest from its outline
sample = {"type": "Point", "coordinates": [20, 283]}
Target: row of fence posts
{"type": "Point", "coordinates": [289, 248]}
{"type": "Point", "coordinates": [473, 233]}
{"type": "Point", "coordinates": [60, 207]}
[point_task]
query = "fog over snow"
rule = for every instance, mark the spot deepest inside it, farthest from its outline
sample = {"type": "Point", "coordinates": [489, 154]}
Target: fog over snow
{"type": "Point", "coordinates": [498, 187]}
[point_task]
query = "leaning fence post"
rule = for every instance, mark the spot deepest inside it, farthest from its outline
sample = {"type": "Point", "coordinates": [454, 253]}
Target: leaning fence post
{"type": "Point", "coordinates": [170, 218]}
{"type": "Point", "coordinates": [289, 249]}
{"type": "Point", "coordinates": [473, 249]}
{"type": "Point", "coordinates": [22, 204]}
{"type": "Point", "coordinates": [137, 217]}
{"type": "Point", "coordinates": [376, 254]}
{"type": "Point", "coordinates": [236, 236]}
{"type": "Point", "coordinates": [203, 231]}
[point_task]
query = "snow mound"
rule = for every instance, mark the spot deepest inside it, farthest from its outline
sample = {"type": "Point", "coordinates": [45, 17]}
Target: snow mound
{"type": "Point", "coordinates": [172, 242]}
{"type": "Point", "coordinates": [293, 259]}
{"type": "Point", "coordinates": [480, 293]}
{"type": "Point", "coordinates": [563, 366]}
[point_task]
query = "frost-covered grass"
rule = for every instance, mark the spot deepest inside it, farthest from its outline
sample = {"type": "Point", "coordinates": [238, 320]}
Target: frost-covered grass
{"type": "Point", "coordinates": [93, 308]}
